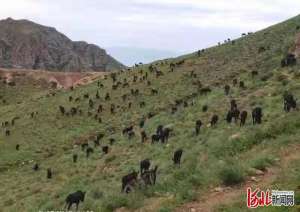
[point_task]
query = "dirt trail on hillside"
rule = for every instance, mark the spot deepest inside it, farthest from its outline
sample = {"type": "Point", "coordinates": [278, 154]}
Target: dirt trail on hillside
{"type": "Point", "coordinates": [61, 79]}
{"type": "Point", "coordinates": [228, 195]}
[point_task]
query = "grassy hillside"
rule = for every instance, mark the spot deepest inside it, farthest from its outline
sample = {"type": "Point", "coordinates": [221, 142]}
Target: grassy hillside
{"type": "Point", "coordinates": [216, 156]}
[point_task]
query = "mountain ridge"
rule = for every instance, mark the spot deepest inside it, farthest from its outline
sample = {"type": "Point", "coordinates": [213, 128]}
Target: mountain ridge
{"type": "Point", "coordinates": [25, 44]}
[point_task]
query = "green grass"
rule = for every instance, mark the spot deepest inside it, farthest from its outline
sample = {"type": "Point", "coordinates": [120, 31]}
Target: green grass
{"type": "Point", "coordinates": [287, 180]}
{"type": "Point", "coordinates": [231, 175]}
{"type": "Point", "coordinates": [215, 157]}
{"type": "Point", "coordinates": [263, 163]}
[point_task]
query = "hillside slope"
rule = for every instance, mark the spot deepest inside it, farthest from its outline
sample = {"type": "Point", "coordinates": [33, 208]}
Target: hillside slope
{"type": "Point", "coordinates": [27, 45]}
{"type": "Point", "coordinates": [224, 154]}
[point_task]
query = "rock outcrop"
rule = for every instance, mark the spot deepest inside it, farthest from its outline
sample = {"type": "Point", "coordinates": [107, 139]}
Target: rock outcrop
{"type": "Point", "coordinates": [297, 46]}
{"type": "Point", "coordinates": [27, 45]}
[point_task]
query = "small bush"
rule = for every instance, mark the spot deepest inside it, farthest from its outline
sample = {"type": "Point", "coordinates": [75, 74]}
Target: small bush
{"type": "Point", "coordinates": [297, 75]}
{"type": "Point", "coordinates": [187, 195]}
{"type": "Point", "coordinates": [262, 163]}
{"type": "Point", "coordinates": [88, 205]}
{"type": "Point", "coordinates": [282, 77]}
{"type": "Point", "coordinates": [297, 199]}
{"type": "Point", "coordinates": [165, 209]}
{"type": "Point", "coordinates": [110, 159]}
{"type": "Point", "coordinates": [9, 202]}
{"type": "Point", "coordinates": [267, 76]}
{"type": "Point", "coordinates": [285, 82]}
{"type": "Point", "coordinates": [97, 194]}
{"type": "Point", "coordinates": [113, 202]}
{"type": "Point", "coordinates": [136, 199]}
{"type": "Point", "coordinates": [231, 175]}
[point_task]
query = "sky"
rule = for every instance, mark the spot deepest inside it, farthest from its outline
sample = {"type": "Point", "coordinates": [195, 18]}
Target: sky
{"type": "Point", "coordinates": [159, 28]}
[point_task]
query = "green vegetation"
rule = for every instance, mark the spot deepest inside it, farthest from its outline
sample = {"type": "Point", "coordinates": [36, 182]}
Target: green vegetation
{"type": "Point", "coordinates": [231, 175]}
{"type": "Point", "coordinates": [219, 155]}
{"type": "Point", "coordinates": [262, 163]}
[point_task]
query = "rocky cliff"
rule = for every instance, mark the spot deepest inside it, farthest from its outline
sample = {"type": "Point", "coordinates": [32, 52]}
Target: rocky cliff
{"type": "Point", "coordinates": [24, 44]}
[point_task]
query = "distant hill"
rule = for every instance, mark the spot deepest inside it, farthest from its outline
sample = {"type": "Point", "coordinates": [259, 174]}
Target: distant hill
{"type": "Point", "coordinates": [27, 45]}
{"type": "Point", "coordinates": [129, 56]}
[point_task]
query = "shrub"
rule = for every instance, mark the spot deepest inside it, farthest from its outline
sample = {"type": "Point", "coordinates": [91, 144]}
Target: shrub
{"type": "Point", "coordinates": [281, 77]}
{"type": "Point", "coordinates": [297, 199]}
{"type": "Point", "coordinates": [113, 202]}
{"type": "Point", "coordinates": [110, 159]}
{"type": "Point", "coordinates": [96, 194]}
{"type": "Point", "coordinates": [165, 209]}
{"type": "Point", "coordinates": [285, 82]}
{"type": "Point", "coordinates": [262, 163]}
{"type": "Point", "coordinates": [9, 202]}
{"type": "Point", "coordinates": [267, 76]}
{"type": "Point", "coordinates": [187, 195]}
{"type": "Point", "coordinates": [231, 175]}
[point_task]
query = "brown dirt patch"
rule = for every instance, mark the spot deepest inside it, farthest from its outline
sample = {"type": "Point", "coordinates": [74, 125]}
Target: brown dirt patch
{"type": "Point", "coordinates": [61, 79]}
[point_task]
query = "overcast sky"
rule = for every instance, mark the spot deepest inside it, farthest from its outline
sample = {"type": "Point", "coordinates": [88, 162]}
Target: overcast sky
{"type": "Point", "coordinates": [168, 25]}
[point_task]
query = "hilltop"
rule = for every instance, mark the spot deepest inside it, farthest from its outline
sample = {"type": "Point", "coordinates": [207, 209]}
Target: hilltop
{"type": "Point", "coordinates": [27, 45]}
{"type": "Point", "coordinates": [50, 126]}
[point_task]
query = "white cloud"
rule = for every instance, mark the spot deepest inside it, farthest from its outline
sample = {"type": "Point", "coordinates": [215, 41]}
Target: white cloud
{"type": "Point", "coordinates": [165, 24]}
{"type": "Point", "coordinates": [19, 8]}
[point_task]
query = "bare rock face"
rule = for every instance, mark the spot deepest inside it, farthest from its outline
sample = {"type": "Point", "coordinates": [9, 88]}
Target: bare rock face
{"type": "Point", "coordinates": [297, 46]}
{"type": "Point", "coordinates": [27, 45]}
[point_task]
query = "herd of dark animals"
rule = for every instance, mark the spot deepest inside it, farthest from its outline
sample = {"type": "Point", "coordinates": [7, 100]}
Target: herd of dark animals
{"type": "Point", "coordinates": [147, 175]}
